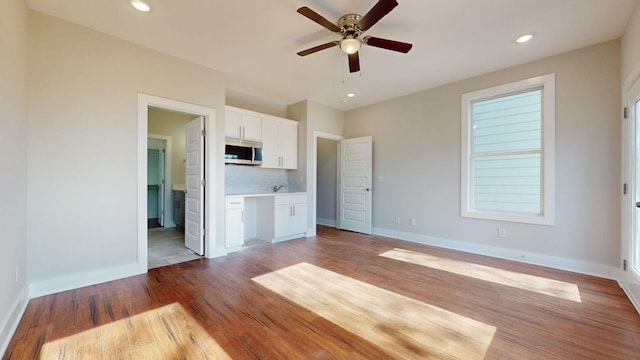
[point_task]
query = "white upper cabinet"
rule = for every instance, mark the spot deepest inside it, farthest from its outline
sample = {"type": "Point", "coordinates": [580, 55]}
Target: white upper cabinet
{"type": "Point", "coordinates": [241, 124]}
{"type": "Point", "coordinates": [279, 143]}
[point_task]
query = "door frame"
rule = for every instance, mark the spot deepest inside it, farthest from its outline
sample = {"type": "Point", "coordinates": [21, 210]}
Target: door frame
{"type": "Point", "coordinates": [311, 231]}
{"type": "Point", "coordinates": [168, 209]}
{"type": "Point", "coordinates": [144, 102]}
{"type": "Point", "coordinates": [629, 279]}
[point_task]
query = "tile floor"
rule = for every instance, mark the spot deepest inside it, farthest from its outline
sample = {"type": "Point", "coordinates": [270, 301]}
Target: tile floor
{"type": "Point", "coordinates": [166, 247]}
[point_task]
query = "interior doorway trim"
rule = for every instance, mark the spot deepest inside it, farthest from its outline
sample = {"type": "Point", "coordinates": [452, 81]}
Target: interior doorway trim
{"type": "Point", "coordinates": [311, 231]}
{"type": "Point", "coordinates": [144, 102]}
{"type": "Point", "coordinates": [168, 209]}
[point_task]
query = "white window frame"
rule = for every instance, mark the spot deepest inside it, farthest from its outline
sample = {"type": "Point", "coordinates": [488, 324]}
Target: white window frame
{"type": "Point", "coordinates": [547, 206]}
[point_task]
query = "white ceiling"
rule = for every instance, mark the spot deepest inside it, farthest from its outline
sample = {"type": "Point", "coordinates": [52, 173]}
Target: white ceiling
{"type": "Point", "coordinates": [254, 42]}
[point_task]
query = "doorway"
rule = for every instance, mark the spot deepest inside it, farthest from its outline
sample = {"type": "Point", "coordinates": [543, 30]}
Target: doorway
{"type": "Point", "coordinates": [326, 216]}
{"type": "Point", "coordinates": [159, 151]}
{"type": "Point", "coordinates": [166, 173]}
{"type": "Point", "coordinates": [326, 182]}
{"type": "Point", "coordinates": [148, 104]}
{"type": "Point", "coordinates": [631, 209]}
{"type": "Point", "coordinates": [353, 184]}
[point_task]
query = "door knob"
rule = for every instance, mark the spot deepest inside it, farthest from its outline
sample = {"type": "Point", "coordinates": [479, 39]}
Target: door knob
{"type": "Point", "coordinates": [367, 189]}
{"type": "Point", "coordinates": [638, 204]}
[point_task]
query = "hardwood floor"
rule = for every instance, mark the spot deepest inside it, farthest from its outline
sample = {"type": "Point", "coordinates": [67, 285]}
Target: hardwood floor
{"type": "Point", "coordinates": [339, 295]}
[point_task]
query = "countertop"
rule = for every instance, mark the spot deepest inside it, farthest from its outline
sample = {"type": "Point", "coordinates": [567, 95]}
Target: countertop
{"type": "Point", "coordinates": [266, 194]}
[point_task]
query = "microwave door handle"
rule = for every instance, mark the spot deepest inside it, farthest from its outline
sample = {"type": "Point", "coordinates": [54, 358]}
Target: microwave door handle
{"type": "Point", "coordinates": [253, 154]}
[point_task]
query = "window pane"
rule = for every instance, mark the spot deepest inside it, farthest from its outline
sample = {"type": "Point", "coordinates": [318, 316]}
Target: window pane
{"type": "Point", "coordinates": [508, 123]}
{"type": "Point", "coordinates": [510, 183]}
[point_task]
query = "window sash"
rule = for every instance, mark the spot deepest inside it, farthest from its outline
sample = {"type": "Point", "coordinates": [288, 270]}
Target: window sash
{"type": "Point", "coordinates": [535, 118]}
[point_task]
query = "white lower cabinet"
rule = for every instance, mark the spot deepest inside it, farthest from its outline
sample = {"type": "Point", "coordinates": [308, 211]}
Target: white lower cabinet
{"type": "Point", "coordinates": [290, 219]}
{"type": "Point", "coordinates": [282, 217]}
{"type": "Point", "coordinates": [234, 232]}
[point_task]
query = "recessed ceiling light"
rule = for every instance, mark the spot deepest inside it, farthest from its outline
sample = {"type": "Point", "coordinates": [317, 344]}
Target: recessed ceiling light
{"type": "Point", "coordinates": [140, 5]}
{"type": "Point", "coordinates": [524, 38]}
{"type": "Point", "coordinates": [351, 95]}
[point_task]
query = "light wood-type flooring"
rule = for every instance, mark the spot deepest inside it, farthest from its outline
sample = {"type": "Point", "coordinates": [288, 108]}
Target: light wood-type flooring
{"type": "Point", "coordinates": [338, 295]}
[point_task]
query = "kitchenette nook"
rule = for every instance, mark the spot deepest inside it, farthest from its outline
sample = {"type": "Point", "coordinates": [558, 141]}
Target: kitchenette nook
{"type": "Point", "coordinates": [260, 155]}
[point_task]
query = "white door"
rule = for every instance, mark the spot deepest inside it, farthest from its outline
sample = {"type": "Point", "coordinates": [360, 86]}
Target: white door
{"type": "Point", "coordinates": [354, 188]}
{"type": "Point", "coordinates": [161, 170]}
{"type": "Point", "coordinates": [194, 183]}
{"type": "Point", "coordinates": [631, 250]}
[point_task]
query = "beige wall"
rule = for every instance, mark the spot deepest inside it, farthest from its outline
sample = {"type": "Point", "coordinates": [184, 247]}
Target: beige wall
{"type": "Point", "coordinates": [631, 49]}
{"type": "Point", "coordinates": [169, 123]}
{"type": "Point", "coordinates": [416, 147]}
{"type": "Point", "coordinates": [83, 141]}
{"type": "Point", "coordinates": [13, 164]}
{"type": "Point", "coordinates": [312, 117]}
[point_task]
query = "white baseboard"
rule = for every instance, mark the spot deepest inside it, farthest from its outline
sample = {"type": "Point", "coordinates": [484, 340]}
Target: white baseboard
{"type": "Point", "coordinates": [75, 281]}
{"type": "Point", "coordinates": [218, 252]}
{"type": "Point", "coordinates": [573, 265]}
{"type": "Point", "coordinates": [326, 222]}
{"type": "Point", "coordinates": [635, 302]}
{"type": "Point", "coordinates": [11, 322]}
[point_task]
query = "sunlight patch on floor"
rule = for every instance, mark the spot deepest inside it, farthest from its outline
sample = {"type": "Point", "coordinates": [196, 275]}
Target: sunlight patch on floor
{"type": "Point", "coordinates": [168, 332]}
{"type": "Point", "coordinates": [399, 325]}
{"type": "Point", "coordinates": [533, 283]}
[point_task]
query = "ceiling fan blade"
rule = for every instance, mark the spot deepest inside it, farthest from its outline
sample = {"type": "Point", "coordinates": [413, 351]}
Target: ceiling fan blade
{"type": "Point", "coordinates": [387, 44]}
{"type": "Point", "coordinates": [377, 12]}
{"type": "Point", "coordinates": [354, 62]}
{"type": "Point", "coordinates": [318, 48]}
{"type": "Point", "coordinates": [314, 16]}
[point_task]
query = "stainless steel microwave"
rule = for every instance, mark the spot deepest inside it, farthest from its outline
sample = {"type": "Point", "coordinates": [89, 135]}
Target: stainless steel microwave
{"type": "Point", "coordinates": [242, 152]}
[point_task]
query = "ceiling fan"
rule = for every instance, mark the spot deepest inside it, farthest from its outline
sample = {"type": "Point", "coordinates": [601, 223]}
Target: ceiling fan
{"type": "Point", "coordinates": [351, 27]}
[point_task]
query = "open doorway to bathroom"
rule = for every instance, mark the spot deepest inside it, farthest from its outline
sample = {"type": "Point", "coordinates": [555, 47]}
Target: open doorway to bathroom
{"type": "Point", "coordinates": [166, 187]}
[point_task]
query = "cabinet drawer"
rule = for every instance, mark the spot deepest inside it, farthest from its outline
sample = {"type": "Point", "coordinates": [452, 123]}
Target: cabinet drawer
{"type": "Point", "coordinates": [290, 199]}
{"type": "Point", "coordinates": [234, 202]}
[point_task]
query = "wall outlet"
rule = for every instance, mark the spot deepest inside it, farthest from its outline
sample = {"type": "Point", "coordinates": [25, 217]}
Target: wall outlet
{"type": "Point", "coordinates": [502, 232]}
{"type": "Point", "coordinates": [413, 221]}
{"type": "Point", "coordinates": [397, 219]}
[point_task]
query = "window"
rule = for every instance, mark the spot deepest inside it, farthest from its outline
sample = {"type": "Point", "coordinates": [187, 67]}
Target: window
{"type": "Point", "coordinates": [508, 152]}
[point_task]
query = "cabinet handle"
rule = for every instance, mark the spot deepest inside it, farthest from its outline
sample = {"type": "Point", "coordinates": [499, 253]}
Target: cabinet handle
{"type": "Point", "coordinates": [242, 216]}
{"type": "Point", "coordinates": [294, 210]}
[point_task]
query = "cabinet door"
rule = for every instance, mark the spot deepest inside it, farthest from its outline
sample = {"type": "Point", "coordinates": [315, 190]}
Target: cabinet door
{"type": "Point", "coordinates": [270, 154]}
{"type": "Point", "coordinates": [232, 124]}
{"type": "Point", "coordinates": [299, 221]}
{"type": "Point", "coordinates": [288, 144]}
{"type": "Point", "coordinates": [283, 216]}
{"type": "Point", "coordinates": [251, 127]}
{"type": "Point", "coordinates": [234, 228]}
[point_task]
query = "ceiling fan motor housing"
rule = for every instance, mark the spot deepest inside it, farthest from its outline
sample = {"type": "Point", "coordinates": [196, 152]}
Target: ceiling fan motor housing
{"type": "Point", "coordinates": [348, 23]}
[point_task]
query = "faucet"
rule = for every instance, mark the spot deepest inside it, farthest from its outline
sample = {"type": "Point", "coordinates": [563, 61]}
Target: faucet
{"type": "Point", "coordinates": [277, 187]}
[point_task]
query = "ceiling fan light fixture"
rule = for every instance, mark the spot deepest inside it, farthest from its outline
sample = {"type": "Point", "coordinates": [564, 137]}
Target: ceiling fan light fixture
{"type": "Point", "coordinates": [140, 5]}
{"type": "Point", "coordinates": [350, 45]}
